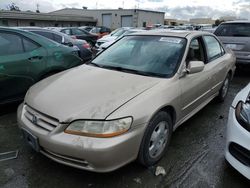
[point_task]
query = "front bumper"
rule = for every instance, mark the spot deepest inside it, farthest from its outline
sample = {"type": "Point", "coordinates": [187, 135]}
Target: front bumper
{"type": "Point", "coordinates": [237, 146]}
{"type": "Point", "coordinates": [88, 153]}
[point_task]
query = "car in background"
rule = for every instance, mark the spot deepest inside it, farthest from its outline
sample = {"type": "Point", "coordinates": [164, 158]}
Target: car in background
{"type": "Point", "coordinates": [105, 45]}
{"type": "Point", "coordinates": [86, 28]}
{"type": "Point", "coordinates": [184, 27]}
{"type": "Point", "coordinates": [112, 36]}
{"type": "Point", "coordinates": [82, 47]}
{"type": "Point", "coordinates": [237, 151]}
{"type": "Point", "coordinates": [124, 105]}
{"type": "Point", "coordinates": [26, 58]}
{"type": "Point", "coordinates": [236, 36]}
{"type": "Point", "coordinates": [100, 31]}
{"type": "Point", "coordinates": [76, 33]}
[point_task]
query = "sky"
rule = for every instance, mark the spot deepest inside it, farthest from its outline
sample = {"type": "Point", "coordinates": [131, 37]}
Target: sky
{"type": "Point", "coordinates": [180, 9]}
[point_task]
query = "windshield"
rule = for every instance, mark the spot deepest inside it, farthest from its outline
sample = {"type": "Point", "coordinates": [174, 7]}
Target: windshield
{"type": "Point", "coordinates": [119, 33]}
{"type": "Point", "coordinates": [146, 55]}
{"type": "Point", "coordinates": [233, 30]}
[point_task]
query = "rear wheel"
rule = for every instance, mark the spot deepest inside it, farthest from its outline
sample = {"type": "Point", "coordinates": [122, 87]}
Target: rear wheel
{"type": "Point", "coordinates": [156, 139]}
{"type": "Point", "coordinates": [224, 89]}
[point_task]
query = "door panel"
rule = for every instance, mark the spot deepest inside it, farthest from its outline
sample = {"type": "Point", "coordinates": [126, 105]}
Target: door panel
{"type": "Point", "coordinates": [195, 88]}
{"type": "Point", "coordinates": [18, 66]}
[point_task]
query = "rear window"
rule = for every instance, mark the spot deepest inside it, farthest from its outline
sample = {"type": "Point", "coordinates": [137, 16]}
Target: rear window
{"type": "Point", "coordinates": [233, 30]}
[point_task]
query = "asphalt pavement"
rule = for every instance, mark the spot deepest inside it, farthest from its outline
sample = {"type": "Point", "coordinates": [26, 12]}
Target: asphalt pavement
{"type": "Point", "coordinates": [195, 157]}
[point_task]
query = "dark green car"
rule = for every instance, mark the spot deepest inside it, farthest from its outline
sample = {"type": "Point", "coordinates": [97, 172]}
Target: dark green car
{"type": "Point", "coordinates": [26, 58]}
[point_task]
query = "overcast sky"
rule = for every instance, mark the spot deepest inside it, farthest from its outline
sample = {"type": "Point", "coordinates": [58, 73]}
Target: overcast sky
{"type": "Point", "coordinates": [181, 9]}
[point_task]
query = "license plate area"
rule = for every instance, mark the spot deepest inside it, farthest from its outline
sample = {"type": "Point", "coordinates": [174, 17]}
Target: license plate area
{"type": "Point", "coordinates": [31, 140]}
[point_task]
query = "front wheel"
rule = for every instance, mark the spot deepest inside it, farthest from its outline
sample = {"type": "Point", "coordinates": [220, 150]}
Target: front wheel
{"type": "Point", "coordinates": [224, 89]}
{"type": "Point", "coordinates": [156, 139]}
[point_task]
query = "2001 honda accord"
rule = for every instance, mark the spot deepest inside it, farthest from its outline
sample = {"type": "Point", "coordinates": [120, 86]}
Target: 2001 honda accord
{"type": "Point", "coordinates": [126, 103]}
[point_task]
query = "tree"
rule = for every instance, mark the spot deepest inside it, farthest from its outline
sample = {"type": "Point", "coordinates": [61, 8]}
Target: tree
{"type": "Point", "coordinates": [218, 22]}
{"type": "Point", "coordinates": [13, 7]}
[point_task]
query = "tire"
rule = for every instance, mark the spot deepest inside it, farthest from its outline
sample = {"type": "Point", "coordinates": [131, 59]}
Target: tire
{"type": "Point", "coordinates": [224, 89]}
{"type": "Point", "coordinates": [156, 139]}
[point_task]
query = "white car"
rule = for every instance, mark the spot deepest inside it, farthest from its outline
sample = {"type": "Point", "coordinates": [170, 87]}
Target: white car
{"type": "Point", "coordinates": [238, 133]}
{"type": "Point", "coordinates": [112, 36]}
{"type": "Point", "coordinates": [106, 44]}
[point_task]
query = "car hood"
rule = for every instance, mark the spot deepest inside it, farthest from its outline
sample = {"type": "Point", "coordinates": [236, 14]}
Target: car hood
{"type": "Point", "coordinates": [107, 39]}
{"type": "Point", "coordinates": [86, 92]}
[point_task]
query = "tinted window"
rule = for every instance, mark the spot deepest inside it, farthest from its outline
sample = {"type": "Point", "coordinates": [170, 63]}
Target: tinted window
{"type": "Point", "coordinates": [77, 32]}
{"type": "Point", "coordinates": [29, 45]}
{"type": "Point", "coordinates": [58, 38]}
{"type": "Point", "coordinates": [10, 44]}
{"type": "Point", "coordinates": [137, 55]}
{"type": "Point", "coordinates": [214, 49]}
{"type": "Point", "coordinates": [234, 29]}
{"type": "Point", "coordinates": [66, 31]}
{"type": "Point", "coordinates": [45, 34]}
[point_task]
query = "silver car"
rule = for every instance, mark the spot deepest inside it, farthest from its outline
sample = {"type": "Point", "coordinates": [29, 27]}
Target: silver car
{"type": "Point", "coordinates": [125, 104]}
{"type": "Point", "coordinates": [236, 36]}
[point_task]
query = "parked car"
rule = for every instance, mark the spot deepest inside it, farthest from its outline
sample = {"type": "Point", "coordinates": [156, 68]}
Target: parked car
{"type": "Point", "coordinates": [86, 28]}
{"type": "Point", "coordinates": [76, 33]}
{"type": "Point", "coordinates": [83, 48]}
{"type": "Point", "coordinates": [238, 133]}
{"type": "Point", "coordinates": [112, 36]}
{"type": "Point", "coordinates": [126, 103]}
{"type": "Point", "coordinates": [26, 58]}
{"type": "Point", "coordinates": [236, 36]}
{"type": "Point", "coordinates": [105, 45]}
{"type": "Point", "coordinates": [100, 31]}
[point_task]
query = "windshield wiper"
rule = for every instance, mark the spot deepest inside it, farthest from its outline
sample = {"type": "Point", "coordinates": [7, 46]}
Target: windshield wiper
{"type": "Point", "coordinates": [94, 64]}
{"type": "Point", "coordinates": [122, 69]}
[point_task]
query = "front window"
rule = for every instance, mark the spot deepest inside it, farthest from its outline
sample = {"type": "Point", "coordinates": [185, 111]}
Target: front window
{"type": "Point", "coordinates": [146, 55]}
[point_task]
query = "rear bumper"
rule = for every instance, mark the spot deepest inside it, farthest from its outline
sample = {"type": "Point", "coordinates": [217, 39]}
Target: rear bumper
{"type": "Point", "coordinates": [242, 58]}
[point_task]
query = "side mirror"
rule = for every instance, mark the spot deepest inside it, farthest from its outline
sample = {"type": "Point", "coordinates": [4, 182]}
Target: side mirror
{"type": "Point", "coordinates": [195, 66]}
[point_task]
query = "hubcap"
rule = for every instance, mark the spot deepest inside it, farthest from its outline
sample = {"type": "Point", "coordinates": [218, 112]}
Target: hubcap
{"type": "Point", "coordinates": [158, 139]}
{"type": "Point", "coordinates": [225, 87]}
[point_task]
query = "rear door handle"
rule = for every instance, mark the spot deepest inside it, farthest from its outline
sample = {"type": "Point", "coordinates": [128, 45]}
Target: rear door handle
{"type": "Point", "coordinates": [35, 58]}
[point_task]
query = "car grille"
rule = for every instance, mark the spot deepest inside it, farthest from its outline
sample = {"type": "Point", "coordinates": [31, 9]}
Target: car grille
{"type": "Point", "coordinates": [240, 153]}
{"type": "Point", "coordinates": [40, 120]}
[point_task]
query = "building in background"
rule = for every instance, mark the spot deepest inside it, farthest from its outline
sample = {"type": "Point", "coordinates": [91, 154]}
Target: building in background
{"type": "Point", "coordinates": [174, 22]}
{"type": "Point", "coordinates": [115, 18]}
{"type": "Point", "coordinates": [28, 18]}
{"type": "Point", "coordinates": [202, 21]}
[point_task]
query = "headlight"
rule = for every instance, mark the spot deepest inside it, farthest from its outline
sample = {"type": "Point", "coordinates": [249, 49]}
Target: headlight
{"type": "Point", "coordinates": [242, 113]}
{"type": "Point", "coordinates": [101, 129]}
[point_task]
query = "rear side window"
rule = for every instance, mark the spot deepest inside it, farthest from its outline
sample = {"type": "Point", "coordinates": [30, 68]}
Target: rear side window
{"type": "Point", "coordinates": [233, 30]}
{"type": "Point", "coordinates": [58, 38]}
{"type": "Point", "coordinates": [45, 34]}
{"type": "Point", "coordinates": [10, 44]}
{"type": "Point", "coordinates": [66, 31]}
{"type": "Point", "coordinates": [29, 45]}
{"type": "Point", "coordinates": [78, 32]}
{"type": "Point", "coordinates": [214, 49]}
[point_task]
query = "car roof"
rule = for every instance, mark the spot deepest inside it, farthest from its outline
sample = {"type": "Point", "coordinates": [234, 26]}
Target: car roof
{"type": "Point", "coordinates": [172, 33]}
{"type": "Point", "coordinates": [237, 21]}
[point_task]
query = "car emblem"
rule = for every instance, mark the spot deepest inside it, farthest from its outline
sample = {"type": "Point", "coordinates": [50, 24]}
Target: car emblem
{"type": "Point", "coordinates": [34, 119]}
